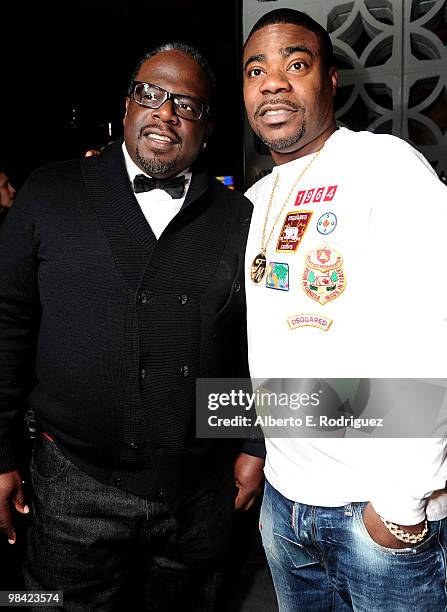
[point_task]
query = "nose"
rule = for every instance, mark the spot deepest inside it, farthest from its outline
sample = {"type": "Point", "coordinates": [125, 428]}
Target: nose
{"type": "Point", "coordinates": [12, 190]}
{"type": "Point", "coordinates": [166, 112]}
{"type": "Point", "coordinates": [275, 81]}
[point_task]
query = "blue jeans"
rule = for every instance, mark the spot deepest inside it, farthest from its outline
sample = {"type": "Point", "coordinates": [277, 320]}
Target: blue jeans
{"type": "Point", "coordinates": [323, 559]}
{"type": "Point", "coordinates": [91, 540]}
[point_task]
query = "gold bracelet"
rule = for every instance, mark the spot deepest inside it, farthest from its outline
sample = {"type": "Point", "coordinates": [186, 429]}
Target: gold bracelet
{"type": "Point", "coordinates": [405, 536]}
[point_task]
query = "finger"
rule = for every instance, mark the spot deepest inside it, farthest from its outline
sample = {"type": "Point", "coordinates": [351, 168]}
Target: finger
{"type": "Point", "coordinates": [241, 501]}
{"type": "Point", "coordinates": [20, 506]}
{"type": "Point", "coordinates": [250, 503]}
{"type": "Point", "coordinates": [6, 524]}
{"type": "Point", "coordinates": [19, 501]}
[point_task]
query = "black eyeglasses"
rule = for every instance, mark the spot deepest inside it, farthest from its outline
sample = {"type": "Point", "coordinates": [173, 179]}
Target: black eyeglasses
{"type": "Point", "coordinates": [153, 96]}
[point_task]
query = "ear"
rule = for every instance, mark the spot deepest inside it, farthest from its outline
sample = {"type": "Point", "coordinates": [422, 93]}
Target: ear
{"type": "Point", "coordinates": [125, 114]}
{"type": "Point", "coordinates": [333, 76]}
{"type": "Point", "coordinates": [209, 127]}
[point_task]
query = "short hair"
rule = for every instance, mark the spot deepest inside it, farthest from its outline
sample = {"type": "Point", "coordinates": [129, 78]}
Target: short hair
{"type": "Point", "coordinates": [292, 16]}
{"type": "Point", "coordinates": [189, 50]}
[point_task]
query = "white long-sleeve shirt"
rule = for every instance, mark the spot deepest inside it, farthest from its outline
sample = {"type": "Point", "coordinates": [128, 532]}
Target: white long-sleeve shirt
{"type": "Point", "coordinates": [355, 287]}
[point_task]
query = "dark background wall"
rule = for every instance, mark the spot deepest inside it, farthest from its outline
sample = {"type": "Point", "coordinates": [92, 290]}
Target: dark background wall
{"type": "Point", "coordinates": [65, 68]}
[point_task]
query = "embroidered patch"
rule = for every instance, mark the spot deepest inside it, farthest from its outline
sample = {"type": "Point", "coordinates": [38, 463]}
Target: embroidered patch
{"type": "Point", "coordinates": [292, 231]}
{"type": "Point", "coordinates": [323, 277]}
{"type": "Point", "coordinates": [330, 193]}
{"type": "Point", "coordinates": [309, 320]}
{"type": "Point", "coordinates": [315, 195]}
{"type": "Point", "coordinates": [327, 223]}
{"type": "Point", "coordinates": [300, 197]}
{"type": "Point", "coordinates": [308, 198]}
{"type": "Point", "coordinates": [277, 276]}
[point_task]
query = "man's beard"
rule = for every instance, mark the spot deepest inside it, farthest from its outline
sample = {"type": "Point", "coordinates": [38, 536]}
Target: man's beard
{"type": "Point", "coordinates": [279, 144]}
{"type": "Point", "coordinates": [154, 165]}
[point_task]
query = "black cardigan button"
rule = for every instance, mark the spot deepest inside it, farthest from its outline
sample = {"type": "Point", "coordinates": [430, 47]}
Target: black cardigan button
{"type": "Point", "coordinates": [183, 299]}
{"type": "Point", "coordinates": [184, 370]}
{"type": "Point", "coordinates": [144, 297]}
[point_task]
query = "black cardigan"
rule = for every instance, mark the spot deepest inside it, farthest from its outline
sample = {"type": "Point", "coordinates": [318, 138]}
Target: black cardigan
{"type": "Point", "coordinates": [125, 322]}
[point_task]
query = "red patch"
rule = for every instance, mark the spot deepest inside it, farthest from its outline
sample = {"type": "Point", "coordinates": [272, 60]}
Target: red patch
{"type": "Point", "coordinates": [309, 195]}
{"type": "Point", "coordinates": [292, 231]}
{"type": "Point", "coordinates": [319, 194]}
{"type": "Point", "coordinates": [299, 198]}
{"type": "Point", "coordinates": [330, 193]}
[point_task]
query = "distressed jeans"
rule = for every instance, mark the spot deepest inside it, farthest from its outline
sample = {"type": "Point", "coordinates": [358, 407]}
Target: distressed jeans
{"type": "Point", "coordinates": [88, 540]}
{"type": "Point", "coordinates": [323, 560]}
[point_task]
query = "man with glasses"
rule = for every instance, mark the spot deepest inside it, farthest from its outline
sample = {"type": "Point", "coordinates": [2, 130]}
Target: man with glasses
{"type": "Point", "coordinates": [129, 266]}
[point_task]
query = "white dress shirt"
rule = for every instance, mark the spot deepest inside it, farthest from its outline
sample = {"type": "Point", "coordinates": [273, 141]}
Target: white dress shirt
{"type": "Point", "coordinates": [157, 205]}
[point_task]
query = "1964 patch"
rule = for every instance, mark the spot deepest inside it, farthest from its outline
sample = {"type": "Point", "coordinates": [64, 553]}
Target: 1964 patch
{"type": "Point", "coordinates": [292, 231]}
{"type": "Point", "coordinates": [323, 277]}
{"type": "Point", "coordinates": [277, 276]}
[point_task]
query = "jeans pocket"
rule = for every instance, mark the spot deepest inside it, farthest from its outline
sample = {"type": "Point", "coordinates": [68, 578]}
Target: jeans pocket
{"type": "Point", "coordinates": [426, 544]}
{"type": "Point", "coordinates": [48, 463]}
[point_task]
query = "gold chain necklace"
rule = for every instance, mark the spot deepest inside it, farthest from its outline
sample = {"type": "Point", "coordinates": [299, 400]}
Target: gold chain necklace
{"type": "Point", "coordinates": [259, 263]}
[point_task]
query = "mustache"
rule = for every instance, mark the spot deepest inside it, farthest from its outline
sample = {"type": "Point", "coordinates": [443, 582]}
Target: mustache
{"type": "Point", "coordinates": [282, 101]}
{"type": "Point", "coordinates": [160, 128]}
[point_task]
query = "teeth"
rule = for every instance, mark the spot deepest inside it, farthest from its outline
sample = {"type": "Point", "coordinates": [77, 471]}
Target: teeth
{"type": "Point", "coordinates": [159, 137]}
{"type": "Point", "coordinates": [276, 112]}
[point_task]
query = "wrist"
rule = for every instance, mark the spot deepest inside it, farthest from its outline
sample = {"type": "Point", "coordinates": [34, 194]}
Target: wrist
{"type": "Point", "coordinates": [409, 534]}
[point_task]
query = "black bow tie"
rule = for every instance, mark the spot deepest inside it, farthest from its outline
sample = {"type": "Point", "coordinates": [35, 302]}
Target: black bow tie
{"type": "Point", "coordinates": [174, 186]}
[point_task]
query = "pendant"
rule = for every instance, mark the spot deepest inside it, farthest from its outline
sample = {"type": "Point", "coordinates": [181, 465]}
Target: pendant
{"type": "Point", "coordinates": [258, 268]}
